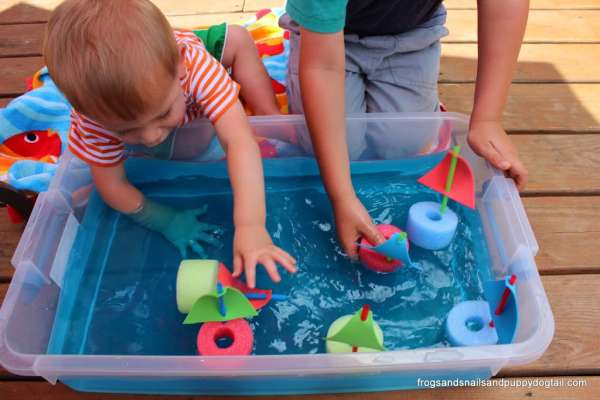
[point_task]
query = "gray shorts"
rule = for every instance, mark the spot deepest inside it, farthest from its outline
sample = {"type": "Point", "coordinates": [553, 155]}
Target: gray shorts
{"type": "Point", "coordinates": [396, 73]}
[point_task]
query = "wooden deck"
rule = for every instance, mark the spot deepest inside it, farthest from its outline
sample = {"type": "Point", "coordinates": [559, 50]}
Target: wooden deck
{"type": "Point", "coordinates": [553, 114]}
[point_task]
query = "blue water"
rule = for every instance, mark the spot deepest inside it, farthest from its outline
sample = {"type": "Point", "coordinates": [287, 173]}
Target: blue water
{"type": "Point", "coordinates": [119, 292]}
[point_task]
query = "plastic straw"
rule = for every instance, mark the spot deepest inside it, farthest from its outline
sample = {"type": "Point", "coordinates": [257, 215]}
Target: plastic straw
{"type": "Point", "coordinates": [450, 179]}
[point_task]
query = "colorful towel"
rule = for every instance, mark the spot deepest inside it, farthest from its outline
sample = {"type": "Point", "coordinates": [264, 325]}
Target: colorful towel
{"type": "Point", "coordinates": [33, 135]}
{"type": "Point", "coordinates": [273, 46]}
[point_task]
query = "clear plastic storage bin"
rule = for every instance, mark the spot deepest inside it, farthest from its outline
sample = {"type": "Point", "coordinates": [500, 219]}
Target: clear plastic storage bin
{"type": "Point", "coordinates": [27, 315]}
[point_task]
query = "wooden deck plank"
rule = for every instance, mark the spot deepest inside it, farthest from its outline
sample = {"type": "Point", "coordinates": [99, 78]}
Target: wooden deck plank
{"type": "Point", "coordinates": [4, 101]}
{"type": "Point", "coordinates": [28, 11]}
{"type": "Point", "coordinates": [562, 164]}
{"type": "Point", "coordinates": [26, 39]}
{"type": "Point", "coordinates": [14, 72]}
{"type": "Point", "coordinates": [19, 11]}
{"type": "Point", "coordinates": [573, 351]}
{"type": "Point", "coordinates": [574, 302]}
{"type": "Point", "coordinates": [533, 4]}
{"type": "Point", "coordinates": [43, 390]}
{"type": "Point", "coordinates": [537, 107]}
{"type": "Point", "coordinates": [544, 26]}
{"type": "Point", "coordinates": [539, 63]}
{"type": "Point", "coordinates": [21, 40]}
{"type": "Point", "coordinates": [9, 238]}
{"type": "Point", "coordinates": [194, 21]}
{"type": "Point", "coordinates": [182, 7]}
{"type": "Point", "coordinates": [565, 228]}
{"type": "Point", "coordinates": [255, 5]}
{"type": "Point", "coordinates": [560, 63]}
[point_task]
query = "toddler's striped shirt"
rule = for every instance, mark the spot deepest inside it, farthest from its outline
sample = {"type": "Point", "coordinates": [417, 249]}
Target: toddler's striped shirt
{"type": "Point", "coordinates": [209, 92]}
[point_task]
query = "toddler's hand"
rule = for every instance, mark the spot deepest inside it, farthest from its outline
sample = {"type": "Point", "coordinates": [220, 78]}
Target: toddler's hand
{"type": "Point", "coordinates": [251, 245]}
{"type": "Point", "coordinates": [489, 140]}
{"type": "Point", "coordinates": [185, 230]}
{"type": "Point", "coordinates": [353, 222]}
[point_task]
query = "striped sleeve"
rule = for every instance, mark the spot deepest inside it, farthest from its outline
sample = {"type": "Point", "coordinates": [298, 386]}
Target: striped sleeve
{"type": "Point", "coordinates": [94, 144]}
{"type": "Point", "coordinates": [207, 82]}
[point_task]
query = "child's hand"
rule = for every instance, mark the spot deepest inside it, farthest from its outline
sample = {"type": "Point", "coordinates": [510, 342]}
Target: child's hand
{"type": "Point", "coordinates": [251, 245]}
{"type": "Point", "coordinates": [489, 140]}
{"type": "Point", "coordinates": [181, 228]}
{"type": "Point", "coordinates": [353, 222]}
{"type": "Point", "coordinates": [185, 230]}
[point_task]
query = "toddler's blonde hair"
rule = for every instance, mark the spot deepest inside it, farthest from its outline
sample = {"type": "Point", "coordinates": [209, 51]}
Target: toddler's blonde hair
{"type": "Point", "coordinates": [105, 55]}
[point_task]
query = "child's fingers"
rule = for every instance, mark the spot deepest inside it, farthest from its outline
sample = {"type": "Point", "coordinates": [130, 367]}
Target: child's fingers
{"type": "Point", "coordinates": [286, 256]}
{"type": "Point", "coordinates": [198, 249]}
{"type": "Point", "coordinates": [372, 234]}
{"type": "Point", "coordinates": [182, 250]}
{"type": "Point", "coordinates": [238, 265]}
{"type": "Point", "coordinates": [206, 238]}
{"type": "Point", "coordinates": [271, 268]}
{"type": "Point", "coordinates": [285, 262]}
{"type": "Point", "coordinates": [250, 270]}
{"type": "Point", "coordinates": [350, 246]}
{"type": "Point", "coordinates": [200, 211]}
{"type": "Point", "coordinates": [495, 157]}
{"type": "Point", "coordinates": [520, 174]}
{"type": "Point", "coordinates": [208, 227]}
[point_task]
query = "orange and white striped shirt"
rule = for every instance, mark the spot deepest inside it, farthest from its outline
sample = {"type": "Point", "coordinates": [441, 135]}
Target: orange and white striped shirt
{"type": "Point", "coordinates": [209, 92]}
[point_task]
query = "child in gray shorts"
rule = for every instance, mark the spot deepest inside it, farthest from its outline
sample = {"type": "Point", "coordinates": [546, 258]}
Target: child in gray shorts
{"type": "Point", "coordinates": [357, 56]}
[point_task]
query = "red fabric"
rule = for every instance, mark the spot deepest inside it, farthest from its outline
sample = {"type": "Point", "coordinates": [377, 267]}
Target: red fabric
{"type": "Point", "coordinates": [35, 144]}
{"type": "Point", "coordinates": [265, 49]}
{"type": "Point", "coordinates": [14, 215]}
{"type": "Point", "coordinates": [262, 13]}
{"type": "Point", "coordinates": [277, 87]}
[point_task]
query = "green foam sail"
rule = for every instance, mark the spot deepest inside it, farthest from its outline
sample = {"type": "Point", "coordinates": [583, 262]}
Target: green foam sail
{"type": "Point", "coordinates": [206, 308]}
{"type": "Point", "coordinates": [359, 333]}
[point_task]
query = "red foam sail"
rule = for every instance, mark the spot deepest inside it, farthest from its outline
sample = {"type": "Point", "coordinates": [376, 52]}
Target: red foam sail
{"type": "Point", "coordinates": [226, 279]}
{"type": "Point", "coordinates": [463, 185]}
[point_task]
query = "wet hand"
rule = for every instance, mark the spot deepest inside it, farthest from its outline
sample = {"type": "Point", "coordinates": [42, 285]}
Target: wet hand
{"type": "Point", "coordinates": [489, 140]}
{"type": "Point", "coordinates": [184, 230]}
{"type": "Point", "coordinates": [352, 223]}
{"type": "Point", "coordinates": [252, 245]}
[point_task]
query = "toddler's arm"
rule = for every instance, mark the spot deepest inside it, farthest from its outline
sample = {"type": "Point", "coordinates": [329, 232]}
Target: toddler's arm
{"type": "Point", "coordinates": [180, 227]}
{"type": "Point", "coordinates": [252, 242]}
{"type": "Point", "coordinates": [501, 26]}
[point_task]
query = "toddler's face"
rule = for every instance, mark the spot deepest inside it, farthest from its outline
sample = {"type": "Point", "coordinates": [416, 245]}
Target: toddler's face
{"type": "Point", "coordinates": [153, 128]}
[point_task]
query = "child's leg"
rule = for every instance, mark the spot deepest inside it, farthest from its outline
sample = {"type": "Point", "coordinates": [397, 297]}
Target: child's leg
{"type": "Point", "coordinates": [247, 69]}
{"type": "Point", "coordinates": [406, 81]}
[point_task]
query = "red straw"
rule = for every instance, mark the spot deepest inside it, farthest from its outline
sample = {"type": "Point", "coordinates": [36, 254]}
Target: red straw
{"type": "Point", "coordinates": [505, 295]}
{"type": "Point", "coordinates": [365, 312]}
{"type": "Point", "coordinates": [363, 317]}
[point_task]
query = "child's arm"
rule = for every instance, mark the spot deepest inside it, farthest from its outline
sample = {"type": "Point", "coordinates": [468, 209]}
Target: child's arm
{"type": "Point", "coordinates": [180, 227]}
{"type": "Point", "coordinates": [322, 77]}
{"type": "Point", "coordinates": [252, 243]}
{"type": "Point", "coordinates": [501, 26]}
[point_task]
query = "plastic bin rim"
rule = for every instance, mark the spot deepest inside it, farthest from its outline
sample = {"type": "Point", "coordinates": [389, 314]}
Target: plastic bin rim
{"type": "Point", "coordinates": [267, 119]}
